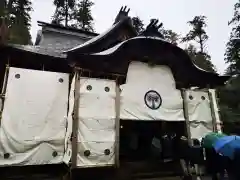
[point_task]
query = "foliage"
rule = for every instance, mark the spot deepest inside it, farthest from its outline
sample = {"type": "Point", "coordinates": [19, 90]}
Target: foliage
{"type": "Point", "coordinates": [63, 12]}
{"type": "Point", "coordinates": [83, 15]}
{"type": "Point", "coordinates": [202, 60]}
{"type": "Point", "coordinates": [198, 35]}
{"type": "Point", "coordinates": [3, 4]}
{"type": "Point", "coordinates": [6, 11]}
{"type": "Point", "coordinates": [74, 13]}
{"type": "Point", "coordinates": [233, 46]}
{"type": "Point", "coordinates": [230, 94]}
{"type": "Point", "coordinates": [198, 32]}
{"type": "Point", "coordinates": [138, 24]}
{"type": "Point", "coordinates": [170, 36]}
{"type": "Point", "coordinates": [16, 14]}
{"type": "Point", "coordinates": [230, 101]}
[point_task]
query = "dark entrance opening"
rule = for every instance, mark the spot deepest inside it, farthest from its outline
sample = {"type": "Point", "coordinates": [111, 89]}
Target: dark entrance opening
{"type": "Point", "coordinates": [149, 147]}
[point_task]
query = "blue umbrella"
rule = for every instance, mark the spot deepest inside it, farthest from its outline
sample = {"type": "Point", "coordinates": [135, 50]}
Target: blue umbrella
{"type": "Point", "coordinates": [227, 146]}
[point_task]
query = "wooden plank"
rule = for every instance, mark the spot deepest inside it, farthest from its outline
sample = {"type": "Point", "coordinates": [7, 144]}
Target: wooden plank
{"type": "Point", "coordinates": [75, 118]}
{"type": "Point", "coordinates": [186, 167]}
{"type": "Point", "coordinates": [101, 72]}
{"type": "Point", "coordinates": [186, 114]}
{"type": "Point", "coordinates": [4, 88]}
{"type": "Point", "coordinates": [214, 120]}
{"type": "Point", "coordinates": [3, 91]}
{"type": "Point", "coordinates": [117, 125]}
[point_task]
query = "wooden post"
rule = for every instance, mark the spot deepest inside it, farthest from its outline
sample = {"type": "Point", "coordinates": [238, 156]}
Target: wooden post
{"type": "Point", "coordinates": [214, 120]}
{"type": "Point", "coordinates": [75, 117]}
{"type": "Point", "coordinates": [186, 167]}
{"type": "Point", "coordinates": [186, 115]}
{"type": "Point", "coordinates": [4, 87]}
{"type": "Point", "coordinates": [117, 125]}
{"type": "Point", "coordinates": [4, 31]}
{"type": "Point", "coordinates": [3, 91]}
{"type": "Point", "coordinates": [219, 121]}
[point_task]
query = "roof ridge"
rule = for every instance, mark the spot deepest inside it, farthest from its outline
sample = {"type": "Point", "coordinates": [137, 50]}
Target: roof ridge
{"type": "Point", "coordinates": [41, 23]}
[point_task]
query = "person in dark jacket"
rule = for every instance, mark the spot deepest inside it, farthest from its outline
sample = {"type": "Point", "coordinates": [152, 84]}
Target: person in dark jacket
{"type": "Point", "coordinates": [234, 169]}
{"type": "Point", "coordinates": [181, 151]}
{"type": "Point", "coordinates": [216, 164]}
{"type": "Point", "coordinates": [196, 157]}
{"type": "Point", "coordinates": [211, 162]}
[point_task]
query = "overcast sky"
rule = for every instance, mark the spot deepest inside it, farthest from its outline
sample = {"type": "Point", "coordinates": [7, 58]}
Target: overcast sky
{"type": "Point", "coordinates": [173, 13]}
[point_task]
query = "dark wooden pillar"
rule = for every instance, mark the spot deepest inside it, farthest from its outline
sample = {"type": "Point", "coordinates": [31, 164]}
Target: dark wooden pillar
{"type": "Point", "coordinates": [4, 31]}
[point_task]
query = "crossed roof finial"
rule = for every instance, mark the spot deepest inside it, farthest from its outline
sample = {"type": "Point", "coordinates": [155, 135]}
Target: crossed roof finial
{"type": "Point", "coordinates": [122, 14]}
{"type": "Point", "coordinates": [152, 29]}
{"type": "Point", "coordinates": [123, 10]}
{"type": "Point", "coordinates": [153, 24]}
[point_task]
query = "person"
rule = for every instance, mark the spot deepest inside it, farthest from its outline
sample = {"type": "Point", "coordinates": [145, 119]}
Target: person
{"type": "Point", "coordinates": [234, 171]}
{"type": "Point", "coordinates": [215, 163]}
{"type": "Point", "coordinates": [196, 157]}
{"type": "Point", "coordinates": [181, 151]}
{"type": "Point", "coordinates": [210, 165]}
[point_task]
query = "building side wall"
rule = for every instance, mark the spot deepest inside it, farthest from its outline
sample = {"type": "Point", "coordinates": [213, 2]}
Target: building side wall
{"type": "Point", "coordinates": [59, 41]}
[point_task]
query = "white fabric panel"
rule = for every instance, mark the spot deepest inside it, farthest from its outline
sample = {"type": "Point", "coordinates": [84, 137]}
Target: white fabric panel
{"type": "Point", "coordinates": [139, 72]}
{"type": "Point", "coordinates": [141, 79]}
{"type": "Point", "coordinates": [96, 131]}
{"type": "Point", "coordinates": [97, 157]}
{"type": "Point", "coordinates": [200, 129]}
{"type": "Point", "coordinates": [97, 122]}
{"type": "Point", "coordinates": [97, 103]}
{"type": "Point", "coordinates": [199, 113]}
{"type": "Point", "coordinates": [34, 117]}
{"type": "Point", "coordinates": [199, 106]}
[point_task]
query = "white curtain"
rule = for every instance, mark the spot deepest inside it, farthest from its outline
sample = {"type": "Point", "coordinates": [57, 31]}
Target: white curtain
{"type": "Point", "coordinates": [96, 130]}
{"type": "Point", "coordinates": [34, 118]}
{"type": "Point", "coordinates": [199, 111]}
{"type": "Point", "coordinates": [150, 94]}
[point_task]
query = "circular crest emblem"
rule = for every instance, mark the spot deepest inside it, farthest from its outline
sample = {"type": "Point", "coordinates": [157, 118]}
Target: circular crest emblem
{"type": "Point", "coordinates": [153, 99]}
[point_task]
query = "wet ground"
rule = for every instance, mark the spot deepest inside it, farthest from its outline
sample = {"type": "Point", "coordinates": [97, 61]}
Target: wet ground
{"type": "Point", "coordinates": [174, 178]}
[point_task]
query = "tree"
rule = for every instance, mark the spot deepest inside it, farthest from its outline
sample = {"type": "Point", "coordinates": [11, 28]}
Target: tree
{"type": "Point", "coordinates": [170, 36]}
{"type": "Point", "coordinates": [3, 26]}
{"type": "Point", "coordinates": [198, 32]}
{"type": "Point", "coordinates": [202, 60]}
{"type": "Point", "coordinates": [3, 5]}
{"type": "Point", "coordinates": [6, 10]}
{"type": "Point", "coordinates": [198, 35]}
{"type": "Point", "coordinates": [83, 15]}
{"type": "Point", "coordinates": [63, 12]}
{"type": "Point", "coordinates": [20, 28]}
{"type": "Point", "coordinates": [138, 24]}
{"type": "Point", "coordinates": [230, 100]}
{"type": "Point", "coordinates": [17, 18]}
{"type": "Point", "coordinates": [232, 56]}
{"type": "Point", "coordinates": [230, 94]}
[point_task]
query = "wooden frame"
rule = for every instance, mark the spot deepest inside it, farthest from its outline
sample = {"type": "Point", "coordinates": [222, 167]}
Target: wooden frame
{"type": "Point", "coordinates": [186, 167]}
{"type": "Point", "coordinates": [186, 115]}
{"type": "Point", "coordinates": [117, 125]}
{"type": "Point", "coordinates": [75, 117]}
{"type": "Point", "coordinates": [3, 91]}
{"type": "Point", "coordinates": [214, 120]}
{"type": "Point", "coordinates": [75, 122]}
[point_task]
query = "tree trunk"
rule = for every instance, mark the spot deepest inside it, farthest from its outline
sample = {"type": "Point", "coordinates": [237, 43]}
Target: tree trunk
{"type": "Point", "coordinates": [201, 44]}
{"type": "Point", "coordinates": [66, 13]}
{"type": "Point", "coordinates": [9, 6]}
